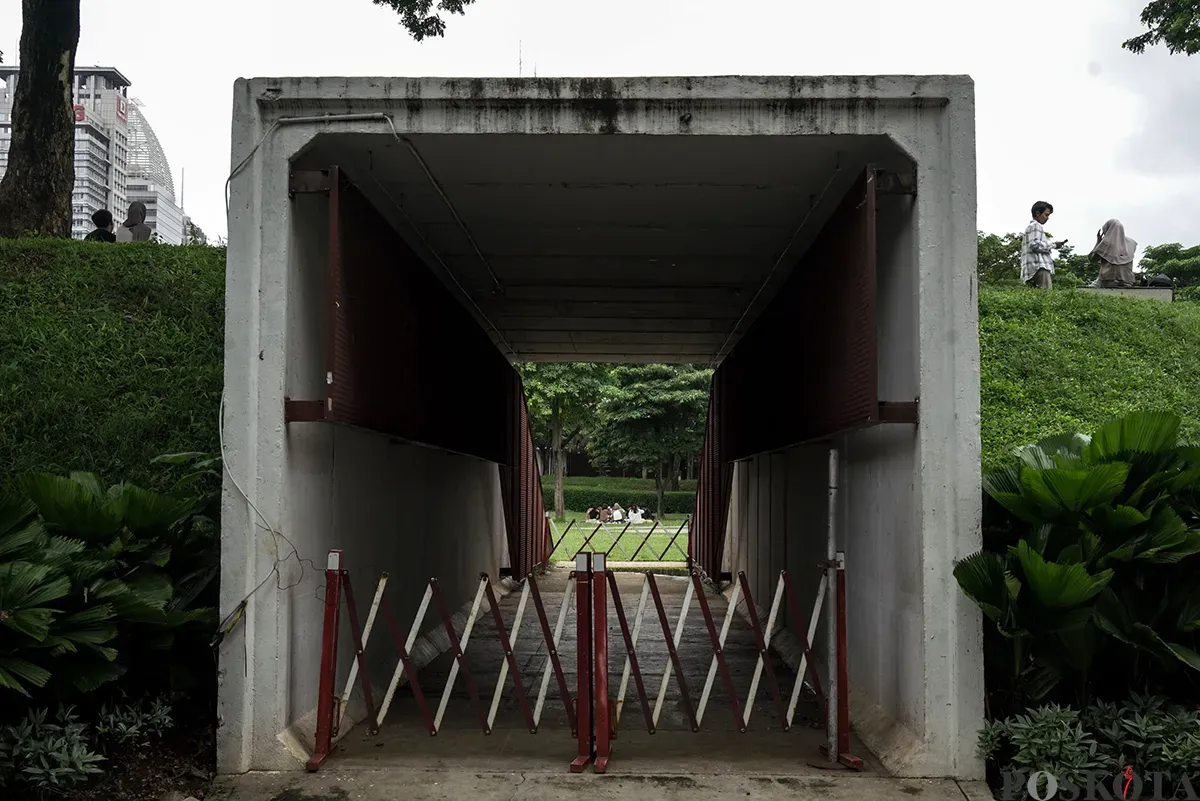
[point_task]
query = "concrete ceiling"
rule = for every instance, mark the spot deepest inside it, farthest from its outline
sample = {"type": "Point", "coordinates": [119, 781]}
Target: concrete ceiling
{"type": "Point", "coordinates": [612, 248]}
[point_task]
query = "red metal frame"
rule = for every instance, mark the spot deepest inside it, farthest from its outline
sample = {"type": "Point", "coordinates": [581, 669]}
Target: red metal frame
{"type": "Point", "coordinates": [843, 673]}
{"type": "Point", "coordinates": [794, 609]}
{"type": "Point", "coordinates": [548, 635]}
{"type": "Point", "coordinates": [405, 657]}
{"type": "Point", "coordinates": [719, 652]}
{"type": "Point", "coordinates": [459, 656]}
{"type": "Point", "coordinates": [513, 667]}
{"type": "Point", "coordinates": [763, 651]}
{"type": "Point", "coordinates": [327, 683]}
{"type": "Point", "coordinates": [631, 653]}
{"type": "Point", "coordinates": [603, 716]}
{"type": "Point", "coordinates": [584, 698]}
{"type": "Point", "coordinates": [359, 648]}
{"type": "Point", "coordinates": [669, 636]}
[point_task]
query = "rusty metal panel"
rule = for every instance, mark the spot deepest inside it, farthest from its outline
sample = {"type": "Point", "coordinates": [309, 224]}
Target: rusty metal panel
{"type": "Point", "coordinates": [808, 366]}
{"type": "Point", "coordinates": [405, 358]}
{"type": "Point", "coordinates": [521, 484]}
{"type": "Point", "coordinates": [706, 535]}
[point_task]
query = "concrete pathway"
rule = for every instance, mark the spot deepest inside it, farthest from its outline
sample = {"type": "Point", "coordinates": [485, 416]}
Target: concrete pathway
{"type": "Point", "coordinates": [467, 785]}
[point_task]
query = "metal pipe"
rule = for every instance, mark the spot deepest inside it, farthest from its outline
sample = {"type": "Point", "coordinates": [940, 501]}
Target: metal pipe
{"type": "Point", "coordinates": [831, 618]}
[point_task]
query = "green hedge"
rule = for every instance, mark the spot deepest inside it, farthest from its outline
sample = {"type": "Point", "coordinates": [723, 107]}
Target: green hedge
{"type": "Point", "coordinates": [1069, 361]}
{"type": "Point", "coordinates": [109, 355]}
{"type": "Point", "coordinates": [614, 483]}
{"type": "Point", "coordinates": [581, 498]}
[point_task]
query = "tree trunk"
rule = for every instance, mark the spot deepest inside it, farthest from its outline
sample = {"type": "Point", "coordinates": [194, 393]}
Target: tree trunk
{"type": "Point", "coordinates": [556, 448]}
{"type": "Point", "coordinates": [676, 469]}
{"type": "Point", "coordinates": [691, 474]}
{"type": "Point", "coordinates": [644, 473]}
{"type": "Point", "coordinates": [35, 194]}
{"type": "Point", "coordinates": [660, 485]}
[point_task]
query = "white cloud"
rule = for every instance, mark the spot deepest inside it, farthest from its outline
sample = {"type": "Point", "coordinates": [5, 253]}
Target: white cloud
{"type": "Point", "coordinates": [1063, 113]}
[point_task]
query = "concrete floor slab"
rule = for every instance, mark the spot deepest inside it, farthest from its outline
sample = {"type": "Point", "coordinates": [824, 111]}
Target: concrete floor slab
{"type": "Point", "coordinates": [458, 784]}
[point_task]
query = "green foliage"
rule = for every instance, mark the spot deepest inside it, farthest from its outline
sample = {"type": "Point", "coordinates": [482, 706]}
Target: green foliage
{"type": "Point", "coordinates": [999, 258]}
{"type": "Point", "coordinates": [1175, 23]}
{"type": "Point", "coordinates": [1092, 578]}
{"type": "Point", "coordinates": [562, 398]}
{"type": "Point", "coordinates": [1180, 263]}
{"type": "Point", "coordinates": [580, 498]}
{"type": "Point", "coordinates": [96, 583]}
{"type": "Point", "coordinates": [47, 758]}
{"type": "Point", "coordinates": [616, 483]}
{"type": "Point", "coordinates": [112, 355]}
{"type": "Point", "coordinates": [1059, 361]}
{"type": "Point", "coordinates": [1145, 731]}
{"type": "Point", "coordinates": [999, 262]}
{"type": "Point", "coordinates": [42, 758]}
{"type": "Point", "coordinates": [418, 18]}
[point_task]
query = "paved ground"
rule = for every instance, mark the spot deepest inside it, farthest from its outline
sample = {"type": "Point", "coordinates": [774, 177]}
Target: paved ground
{"type": "Point", "coordinates": [467, 785]}
{"type": "Point", "coordinates": [765, 762]}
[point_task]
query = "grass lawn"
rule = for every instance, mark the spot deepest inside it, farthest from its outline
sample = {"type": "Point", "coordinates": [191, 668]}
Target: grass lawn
{"type": "Point", "coordinates": [620, 546]}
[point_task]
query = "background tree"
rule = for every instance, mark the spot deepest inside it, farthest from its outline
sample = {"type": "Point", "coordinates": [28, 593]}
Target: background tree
{"type": "Point", "coordinates": [418, 17]}
{"type": "Point", "coordinates": [652, 415]}
{"type": "Point", "coordinates": [1182, 264]}
{"type": "Point", "coordinates": [35, 194]}
{"type": "Point", "coordinates": [562, 397]}
{"type": "Point", "coordinates": [1175, 23]}
{"type": "Point", "coordinates": [999, 258]}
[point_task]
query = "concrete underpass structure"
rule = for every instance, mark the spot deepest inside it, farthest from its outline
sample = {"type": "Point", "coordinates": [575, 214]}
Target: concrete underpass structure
{"type": "Point", "coordinates": [395, 244]}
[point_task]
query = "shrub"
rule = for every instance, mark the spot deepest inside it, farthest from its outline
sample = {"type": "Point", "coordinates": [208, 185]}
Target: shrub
{"type": "Point", "coordinates": [46, 757]}
{"type": "Point", "coordinates": [49, 758]}
{"type": "Point", "coordinates": [580, 498]}
{"type": "Point", "coordinates": [613, 483]}
{"type": "Point", "coordinates": [95, 583]}
{"type": "Point", "coordinates": [1061, 361]}
{"type": "Point", "coordinates": [1145, 732]}
{"type": "Point", "coordinates": [112, 355]}
{"type": "Point", "coordinates": [1092, 576]}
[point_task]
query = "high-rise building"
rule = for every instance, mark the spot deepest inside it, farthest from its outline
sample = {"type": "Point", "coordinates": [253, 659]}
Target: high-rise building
{"type": "Point", "coordinates": [101, 107]}
{"type": "Point", "coordinates": [118, 159]}
{"type": "Point", "coordinates": [150, 179]}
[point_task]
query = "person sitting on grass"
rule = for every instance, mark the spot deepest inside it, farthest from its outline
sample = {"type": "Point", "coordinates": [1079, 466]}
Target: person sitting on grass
{"type": "Point", "coordinates": [635, 515]}
{"type": "Point", "coordinates": [618, 513]}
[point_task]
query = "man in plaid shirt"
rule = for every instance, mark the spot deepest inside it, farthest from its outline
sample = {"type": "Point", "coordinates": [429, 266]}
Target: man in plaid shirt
{"type": "Point", "coordinates": [1037, 261]}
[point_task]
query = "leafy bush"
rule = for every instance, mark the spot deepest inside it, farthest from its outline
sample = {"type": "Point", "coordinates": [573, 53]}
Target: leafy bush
{"type": "Point", "coordinates": [580, 498]}
{"type": "Point", "coordinates": [112, 355]}
{"type": "Point", "coordinates": [613, 483]}
{"type": "Point", "coordinates": [1146, 732]}
{"type": "Point", "coordinates": [96, 583]}
{"type": "Point", "coordinates": [1061, 361]}
{"type": "Point", "coordinates": [1092, 577]}
{"type": "Point", "coordinates": [48, 758]}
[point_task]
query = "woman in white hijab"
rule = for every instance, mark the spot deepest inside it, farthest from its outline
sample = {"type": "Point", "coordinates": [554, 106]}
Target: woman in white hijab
{"type": "Point", "coordinates": [1115, 252]}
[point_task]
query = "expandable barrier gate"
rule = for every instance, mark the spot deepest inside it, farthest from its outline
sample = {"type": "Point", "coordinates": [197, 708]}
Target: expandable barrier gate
{"type": "Point", "coordinates": [593, 715]}
{"type": "Point", "coordinates": [672, 545]}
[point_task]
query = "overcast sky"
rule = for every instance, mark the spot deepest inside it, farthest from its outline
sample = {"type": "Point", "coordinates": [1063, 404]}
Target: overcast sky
{"type": "Point", "coordinates": [1064, 114]}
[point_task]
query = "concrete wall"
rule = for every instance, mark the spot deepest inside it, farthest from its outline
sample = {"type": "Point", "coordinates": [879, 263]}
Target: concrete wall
{"type": "Point", "coordinates": [909, 498]}
{"type": "Point", "coordinates": [413, 512]}
{"type": "Point", "coordinates": [912, 498]}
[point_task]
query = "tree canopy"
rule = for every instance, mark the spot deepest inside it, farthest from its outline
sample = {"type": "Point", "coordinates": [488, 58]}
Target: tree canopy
{"type": "Point", "coordinates": [419, 18]}
{"type": "Point", "coordinates": [562, 398]}
{"type": "Point", "coordinates": [652, 415]}
{"type": "Point", "coordinates": [1174, 23]}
